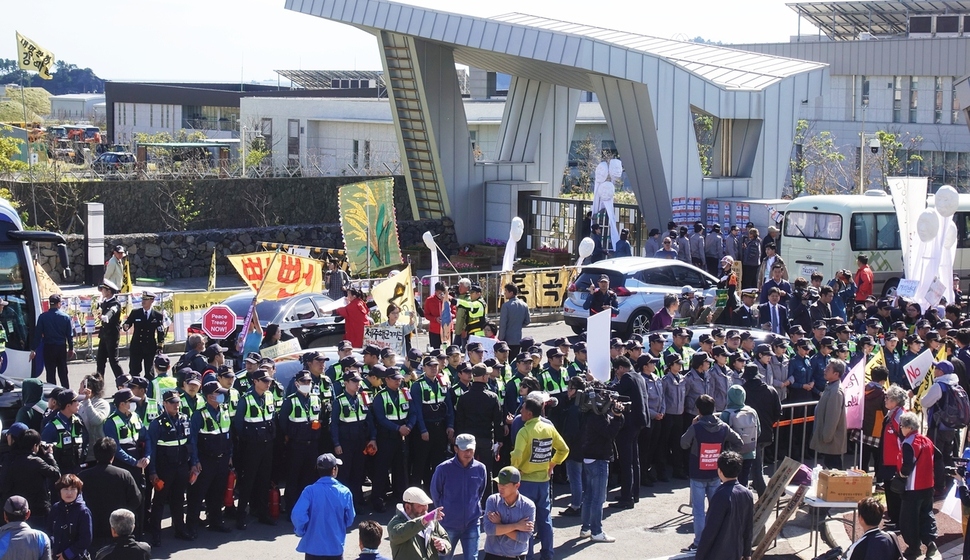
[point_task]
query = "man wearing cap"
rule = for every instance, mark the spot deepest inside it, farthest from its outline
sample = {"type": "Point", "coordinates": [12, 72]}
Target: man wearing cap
{"type": "Point", "coordinates": [464, 382]}
{"type": "Point", "coordinates": [114, 269]}
{"type": "Point", "coordinates": [226, 378]}
{"type": "Point", "coordinates": [509, 518]}
{"type": "Point", "coordinates": [944, 437]}
{"type": "Point", "coordinates": [502, 370]}
{"type": "Point", "coordinates": [191, 399]}
{"type": "Point", "coordinates": [56, 333]}
{"type": "Point", "coordinates": [324, 512]}
{"type": "Point", "coordinates": [394, 418]}
{"type": "Point", "coordinates": [554, 380]}
{"type": "Point", "coordinates": [601, 298]}
{"type": "Point", "coordinates": [148, 336]}
{"type": "Point", "coordinates": [414, 531]}
{"type": "Point", "coordinates": [523, 369]}
{"type": "Point", "coordinates": [66, 432]}
{"type": "Point", "coordinates": [636, 417]}
{"type": "Point", "coordinates": [320, 384]}
{"type": "Point", "coordinates": [22, 542]}
{"type": "Point", "coordinates": [110, 329]}
{"type": "Point", "coordinates": [255, 426]}
{"type": "Point", "coordinates": [193, 357]}
{"type": "Point", "coordinates": [579, 366]}
{"type": "Point", "coordinates": [453, 357]}
{"type": "Point", "coordinates": [514, 317]}
{"type": "Point", "coordinates": [161, 380]}
{"type": "Point", "coordinates": [537, 451]}
{"type": "Point", "coordinates": [336, 369]}
{"type": "Point", "coordinates": [169, 466]}
{"type": "Point", "coordinates": [352, 432]}
{"type": "Point", "coordinates": [210, 447]}
{"type": "Point", "coordinates": [434, 421]}
{"type": "Point", "coordinates": [303, 422]}
{"type": "Point", "coordinates": [819, 362]}
{"type": "Point", "coordinates": [130, 435]}
{"type": "Point", "coordinates": [458, 486]}
{"type": "Point", "coordinates": [680, 344]}
{"type": "Point", "coordinates": [476, 310]}
{"type": "Point", "coordinates": [479, 414]}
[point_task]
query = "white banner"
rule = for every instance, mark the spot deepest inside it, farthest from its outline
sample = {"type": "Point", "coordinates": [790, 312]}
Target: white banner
{"type": "Point", "coordinates": [385, 337]}
{"type": "Point", "coordinates": [854, 388]}
{"type": "Point", "coordinates": [918, 368]}
{"type": "Point", "coordinates": [282, 348]}
{"type": "Point", "coordinates": [907, 288]}
{"type": "Point", "coordinates": [598, 345]}
{"type": "Point", "coordinates": [487, 343]}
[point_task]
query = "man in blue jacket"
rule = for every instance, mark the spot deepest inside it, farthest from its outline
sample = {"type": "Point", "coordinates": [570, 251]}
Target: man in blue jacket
{"type": "Point", "coordinates": [324, 513]}
{"type": "Point", "coordinates": [54, 335]}
{"type": "Point", "coordinates": [457, 486]}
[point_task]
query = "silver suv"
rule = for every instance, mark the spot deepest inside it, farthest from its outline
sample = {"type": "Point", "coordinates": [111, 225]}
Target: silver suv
{"type": "Point", "coordinates": [640, 284]}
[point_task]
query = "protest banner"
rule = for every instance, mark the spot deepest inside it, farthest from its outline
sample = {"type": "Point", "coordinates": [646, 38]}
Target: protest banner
{"type": "Point", "coordinates": [282, 348]}
{"type": "Point", "coordinates": [487, 343]}
{"type": "Point", "coordinates": [188, 308]}
{"type": "Point", "coordinates": [385, 337]}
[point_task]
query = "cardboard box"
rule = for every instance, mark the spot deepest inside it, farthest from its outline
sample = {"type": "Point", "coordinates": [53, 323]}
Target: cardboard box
{"type": "Point", "coordinates": [839, 486]}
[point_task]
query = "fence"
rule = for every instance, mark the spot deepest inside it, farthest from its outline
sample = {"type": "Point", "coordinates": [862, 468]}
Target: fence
{"type": "Point", "coordinates": [558, 222]}
{"type": "Point", "coordinates": [791, 432]}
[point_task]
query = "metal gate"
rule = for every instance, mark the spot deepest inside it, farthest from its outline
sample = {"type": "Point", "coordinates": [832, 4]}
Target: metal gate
{"type": "Point", "coordinates": [560, 223]}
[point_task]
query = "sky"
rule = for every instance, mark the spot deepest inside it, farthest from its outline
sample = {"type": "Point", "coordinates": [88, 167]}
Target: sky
{"type": "Point", "coordinates": [246, 40]}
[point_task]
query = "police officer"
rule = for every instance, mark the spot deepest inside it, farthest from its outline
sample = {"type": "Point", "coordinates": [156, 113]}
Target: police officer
{"type": "Point", "coordinates": [255, 423]}
{"type": "Point", "coordinates": [454, 357]}
{"type": "Point", "coordinates": [523, 368]}
{"type": "Point", "coordinates": [148, 337]}
{"type": "Point", "coordinates": [66, 432]}
{"type": "Point", "coordinates": [191, 399]}
{"type": "Point", "coordinates": [578, 366]}
{"type": "Point", "coordinates": [502, 370]}
{"type": "Point", "coordinates": [226, 378]}
{"type": "Point", "coordinates": [464, 382]}
{"type": "Point", "coordinates": [554, 381]}
{"type": "Point", "coordinates": [352, 430]}
{"type": "Point", "coordinates": [303, 425]}
{"type": "Point", "coordinates": [373, 383]}
{"type": "Point", "coordinates": [479, 413]}
{"type": "Point", "coordinates": [110, 329]}
{"type": "Point", "coordinates": [434, 419]}
{"type": "Point", "coordinates": [394, 421]}
{"type": "Point", "coordinates": [161, 379]}
{"type": "Point", "coordinates": [372, 358]}
{"type": "Point", "coordinates": [250, 365]}
{"type": "Point", "coordinates": [345, 349]}
{"type": "Point", "coordinates": [210, 447]}
{"type": "Point", "coordinates": [345, 363]}
{"type": "Point", "coordinates": [146, 411]}
{"type": "Point", "coordinates": [169, 466]}
{"type": "Point", "coordinates": [476, 309]}
{"type": "Point", "coordinates": [130, 433]}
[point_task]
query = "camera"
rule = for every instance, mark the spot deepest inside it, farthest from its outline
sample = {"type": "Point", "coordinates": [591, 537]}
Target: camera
{"type": "Point", "coordinates": [600, 399]}
{"type": "Point", "coordinates": [874, 145]}
{"type": "Point", "coordinates": [959, 467]}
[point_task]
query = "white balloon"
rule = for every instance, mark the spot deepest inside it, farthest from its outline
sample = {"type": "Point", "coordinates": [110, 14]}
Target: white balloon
{"type": "Point", "coordinates": [947, 200]}
{"type": "Point", "coordinates": [429, 240]}
{"type": "Point", "coordinates": [616, 169]}
{"type": "Point", "coordinates": [586, 247]}
{"type": "Point", "coordinates": [518, 227]}
{"type": "Point", "coordinates": [928, 225]}
{"type": "Point", "coordinates": [950, 237]}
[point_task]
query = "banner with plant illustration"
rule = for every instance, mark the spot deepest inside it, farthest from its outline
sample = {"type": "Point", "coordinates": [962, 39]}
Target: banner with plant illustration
{"type": "Point", "coordinates": [369, 225]}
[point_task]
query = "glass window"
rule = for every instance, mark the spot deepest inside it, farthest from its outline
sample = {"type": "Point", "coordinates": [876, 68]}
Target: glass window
{"type": "Point", "coordinates": [302, 310]}
{"type": "Point", "coordinates": [962, 220]}
{"type": "Point", "coordinates": [16, 318]}
{"type": "Point", "coordinates": [938, 100]}
{"type": "Point", "coordinates": [657, 276]}
{"type": "Point", "coordinates": [865, 90]}
{"type": "Point", "coordinates": [689, 277]}
{"type": "Point", "coordinates": [871, 232]}
{"type": "Point", "coordinates": [897, 99]}
{"type": "Point", "coordinates": [954, 102]}
{"type": "Point", "coordinates": [913, 97]}
{"type": "Point", "coordinates": [813, 225]}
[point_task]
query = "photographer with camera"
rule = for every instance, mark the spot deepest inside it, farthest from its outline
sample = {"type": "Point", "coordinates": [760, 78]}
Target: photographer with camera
{"type": "Point", "coordinates": [602, 420]}
{"type": "Point", "coordinates": [634, 390]}
{"type": "Point", "coordinates": [29, 471]}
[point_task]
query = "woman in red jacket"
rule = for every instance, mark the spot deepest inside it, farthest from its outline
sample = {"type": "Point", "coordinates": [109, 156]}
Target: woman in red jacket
{"type": "Point", "coordinates": [891, 439]}
{"type": "Point", "coordinates": [916, 509]}
{"type": "Point", "coordinates": [356, 317]}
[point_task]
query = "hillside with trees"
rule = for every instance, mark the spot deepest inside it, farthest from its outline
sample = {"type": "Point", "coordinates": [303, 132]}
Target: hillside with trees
{"type": "Point", "coordinates": [68, 78]}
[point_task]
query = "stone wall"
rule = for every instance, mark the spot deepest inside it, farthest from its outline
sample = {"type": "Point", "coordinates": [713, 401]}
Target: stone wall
{"type": "Point", "coordinates": [187, 254]}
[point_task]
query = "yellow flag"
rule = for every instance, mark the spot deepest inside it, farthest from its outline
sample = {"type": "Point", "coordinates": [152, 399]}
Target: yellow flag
{"type": "Point", "coordinates": [877, 359]}
{"type": "Point", "coordinates": [34, 58]}
{"type": "Point", "coordinates": [285, 275]}
{"type": "Point", "coordinates": [212, 273]}
{"type": "Point", "coordinates": [928, 381]}
{"type": "Point", "coordinates": [399, 290]}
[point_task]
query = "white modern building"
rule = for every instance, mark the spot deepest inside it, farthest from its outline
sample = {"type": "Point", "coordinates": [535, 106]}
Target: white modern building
{"type": "Point", "coordinates": [77, 106]}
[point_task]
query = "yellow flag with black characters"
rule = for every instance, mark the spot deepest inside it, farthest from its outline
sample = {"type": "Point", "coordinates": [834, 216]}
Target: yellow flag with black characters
{"type": "Point", "coordinates": [212, 273]}
{"type": "Point", "coordinates": [34, 58]}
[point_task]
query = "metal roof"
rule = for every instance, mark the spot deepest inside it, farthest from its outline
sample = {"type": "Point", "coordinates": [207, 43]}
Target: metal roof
{"type": "Point", "coordinates": [726, 67]}
{"type": "Point", "coordinates": [323, 79]}
{"type": "Point", "coordinates": [843, 21]}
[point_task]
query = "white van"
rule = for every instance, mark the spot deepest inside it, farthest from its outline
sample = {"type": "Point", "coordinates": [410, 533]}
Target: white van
{"type": "Point", "coordinates": [826, 233]}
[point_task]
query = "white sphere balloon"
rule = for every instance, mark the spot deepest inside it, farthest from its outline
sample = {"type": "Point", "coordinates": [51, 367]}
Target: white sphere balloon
{"type": "Point", "coordinates": [428, 240]}
{"type": "Point", "coordinates": [947, 200]}
{"type": "Point", "coordinates": [586, 247]}
{"type": "Point", "coordinates": [928, 225]}
{"type": "Point", "coordinates": [518, 227]}
{"type": "Point", "coordinates": [950, 236]}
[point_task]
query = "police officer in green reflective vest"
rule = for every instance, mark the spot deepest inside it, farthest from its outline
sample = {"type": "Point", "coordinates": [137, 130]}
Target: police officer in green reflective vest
{"type": "Point", "coordinates": [131, 435]}
{"type": "Point", "coordinates": [476, 309]}
{"type": "Point", "coordinates": [169, 466]}
{"type": "Point", "coordinates": [226, 377]}
{"type": "Point", "coordinates": [352, 429]}
{"type": "Point", "coordinates": [147, 408]}
{"type": "Point", "coordinates": [67, 434]}
{"type": "Point", "coordinates": [210, 446]}
{"type": "Point", "coordinates": [255, 422]}
{"type": "Point", "coordinates": [303, 425]}
{"type": "Point", "coordinates": [395, 420]}
{"type": "Point", "coordinates": [161, 379]}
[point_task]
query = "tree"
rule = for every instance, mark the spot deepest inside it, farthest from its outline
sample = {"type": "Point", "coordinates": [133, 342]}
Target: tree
{"type": "Point", "coordinates": [704, 133]}
{"type": "Point", "coordinates": [588, 156]}
{"type": "Point", "coordinates": [897, 150]}
{"type": "Point", "coordinates": [817, 165]}
{"type": "Point", "coordinates": [9, 149]}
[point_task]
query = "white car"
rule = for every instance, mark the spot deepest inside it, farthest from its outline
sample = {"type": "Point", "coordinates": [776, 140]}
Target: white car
{"type": "Point", "coordinates": [640, 284]}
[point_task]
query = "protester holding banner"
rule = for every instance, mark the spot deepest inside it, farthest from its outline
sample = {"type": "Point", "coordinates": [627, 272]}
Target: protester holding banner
{"type": "Point", "coordinates": [393, 314]}
{"type": "Point", "coordinates": [356, 317]}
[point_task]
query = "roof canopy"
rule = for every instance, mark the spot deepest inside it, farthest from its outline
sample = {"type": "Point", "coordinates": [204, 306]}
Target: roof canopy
{"type": "Point", "coordinates": [843, 21]}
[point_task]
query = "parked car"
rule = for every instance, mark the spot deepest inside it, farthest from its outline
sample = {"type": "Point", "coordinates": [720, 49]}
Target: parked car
{"type": "Point", "coordinates": [110, 163]}
{"type": "Point", "coordinates": [640, 284]}
{"type": "Point", "coordinates": [11, 399]}
{"type": "Point", "coordinates": [301, 317]}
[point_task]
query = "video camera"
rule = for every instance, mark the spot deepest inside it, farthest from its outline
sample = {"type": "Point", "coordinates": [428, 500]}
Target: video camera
{"type": "Point", "coordinates": [600, 399]}
{"type": "Point", "coordinates": [959, 467]}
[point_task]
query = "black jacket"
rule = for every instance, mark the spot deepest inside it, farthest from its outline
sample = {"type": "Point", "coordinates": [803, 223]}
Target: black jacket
{"type": "Point", "coordinates": [149, 332]}
{"type": "Point", "coordinates": [107, 488]}
{"type": "Point", "coordinates": [125, 548]}
{"type": "Point", "coordinates": [572, 426]}
{"type": "Point", "coordinates": [632, 385]}
{"type": "Point", "coordinates": [599, 431]}
{"type": "Point", "coordinates": [764, 399]}
{"type": "Point", "coordinates": [479, 413]}
{"type": "Point", "coordinates": [730, 521]}
{"type": "Point", "coordinates": [876, 544]}
{"type": "Point", "coordinates": [29, 475]}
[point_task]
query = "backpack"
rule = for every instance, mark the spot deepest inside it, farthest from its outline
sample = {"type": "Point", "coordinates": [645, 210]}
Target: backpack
{"type": "Point", "coordinates": [745, 422]}
{"type": "Point", "coordinates": [954, 407]}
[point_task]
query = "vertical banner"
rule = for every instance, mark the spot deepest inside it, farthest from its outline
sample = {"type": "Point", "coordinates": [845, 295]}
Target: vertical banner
{"type": "Point", "coordinates": [369, 225]}
{"type": "Point", "coordinates": [854, 388]}
{"type": "Point", "coordinates": [598, 345]}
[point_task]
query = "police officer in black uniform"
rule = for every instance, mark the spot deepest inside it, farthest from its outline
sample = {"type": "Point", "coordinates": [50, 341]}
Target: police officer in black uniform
{"type": "Point", "coordinates": [479, 413]}
{"type": "Point", "coordinates": [255, 423]}
{"type": "Point", "coordinates": [169, 466]}
{"type": "Point", "coordinates": [210, 446]}
{"type": "Point", "coordinates": [303, 425]}
{"type": "Point", "coordinates": [148, 336]}
{"type": "Point", "coordinates": [394, 420]}
{"type": "Point", "coordinates": [110, 329]}
{"type": "Point", "coordinates": [352, 429]}
{"type": "Point", "coordinates": [434, 421]}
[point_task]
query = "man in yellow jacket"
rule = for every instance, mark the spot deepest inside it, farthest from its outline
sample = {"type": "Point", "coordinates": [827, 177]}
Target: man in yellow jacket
{"type": "Point", "coordinates": [538, 449]}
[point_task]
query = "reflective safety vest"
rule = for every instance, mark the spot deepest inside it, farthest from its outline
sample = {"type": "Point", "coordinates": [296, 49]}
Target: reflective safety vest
{"type": "Point", "coordinates": [191, 404]}
{"type": "Point", "coordinates": [128, 430]}
{"type": "Point", "coordinates": [459, 391]}
{"type": "Point", "coordinates": [213, 437]}
{"type": "Point", "coordinates": [69, 449]}
{"type": "Point", "coordinates": [431, 392]}
{"type": "Point", "coordinates": [322, 387]}
{"type": "Point", "coordinates": [351, 409]}
{"type": "Point", "coordinates": [394, 411]}
{"type": "Point", "coordinates": [302, 414]}
{"type": "Point", "coordinates": [505, 373]}
{"type": "Point", "coordinates": [476, 315]}
{"type": "Point", "coordinates": [552, 382]}
{"type": "Point", "coordinates": [231, 403]}
{"type": "Point", "coordinates": [173, 434]}
{"type": "Point", "coordinates": [213, 427]}
{"type": "Point", "coordinates": [257, 413]}
{"type": "Point", "coordinates": [496, 385]}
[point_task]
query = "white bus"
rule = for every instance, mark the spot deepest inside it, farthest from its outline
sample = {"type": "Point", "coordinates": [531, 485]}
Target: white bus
{"type": "Point", "coordinates": [826, 233]}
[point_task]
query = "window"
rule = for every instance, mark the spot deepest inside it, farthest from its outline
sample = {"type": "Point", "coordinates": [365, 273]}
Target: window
{"type": "Point", "coordinates": [947, 24]}
{"type": "Point", "coordinates": [938, 100]}
{"type": "Point", "coordinates": [865, 91]}
{"type": "Point", "coordinates": [872, 232]}
{"type": "Point", "coordinates": [124, 114]}
{"type": "Point", "coordinates": [962, 220]}
{"type": "Point", "coordinates": [921, 24]}
{"type": "Point", "coordinates": [897, 98]}
{"type": "Point", "coordinates": [355, 156]}
{"type": "Point", "coordinates": [266, 128]}
{"type": "Point", "coordinates": [661, 276]}
{"type": "Point", "coordinates": [293, 141]}
{"type": "Point", "coordinates": [813, 225]}
{"type": "Point", "coordinates": [151, 115]}
{"type": "Point", "coordinates": [134, 115]}
{"type": "Point", "coordinates": [689, 277]}
{"type": "Point", "coordinates": [913, 97]}
{"type": "Point", "coordinates": [954, 102]}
